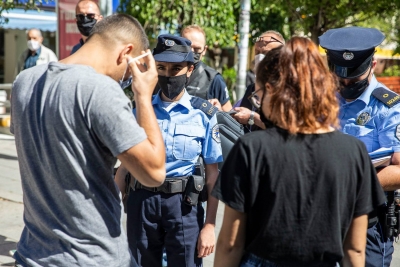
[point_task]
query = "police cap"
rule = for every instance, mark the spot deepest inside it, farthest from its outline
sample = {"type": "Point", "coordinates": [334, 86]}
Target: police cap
{"type": "Point", "coordinates": [173, 49]}
{"type": "Point", "coordinates": [350, 50]}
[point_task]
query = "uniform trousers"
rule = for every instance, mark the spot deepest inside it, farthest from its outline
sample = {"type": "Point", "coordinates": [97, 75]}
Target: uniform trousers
{"type": "Point", "coordinates": [157, 220]}
{"type": "Point", "coordinates": [379, 249]}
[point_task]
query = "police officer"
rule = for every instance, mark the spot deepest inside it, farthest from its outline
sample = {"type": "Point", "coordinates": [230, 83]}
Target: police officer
{"type": "Point", "coordinates": [370, 112]}
{"type": "Point", "coordinates": [162, 217]}
{"type": "Point", "coordinates": [205, 81]}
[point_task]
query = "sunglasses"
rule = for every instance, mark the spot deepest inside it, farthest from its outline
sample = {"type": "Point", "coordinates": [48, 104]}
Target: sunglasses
{"type": "Point", "coordinates": [263, 39]}
{"type": "Point", "coordinates": [81, 17]}
{"type": "Point", "coordinates": [255, 99]}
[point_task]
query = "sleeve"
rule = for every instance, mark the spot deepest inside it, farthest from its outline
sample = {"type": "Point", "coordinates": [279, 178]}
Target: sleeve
{"type": "Point", "coordinates": [233, 185]}
{"type": "Point", "coordinates": [212, 151]}
{"type": "Point", "coordinates": [219, 90]}
{"type": "Point", "coordinates": [370, 194]}
{"type": "Point", "coordinates": [389, 130]}
{"type": "Point", "coordinates": [112, 120]}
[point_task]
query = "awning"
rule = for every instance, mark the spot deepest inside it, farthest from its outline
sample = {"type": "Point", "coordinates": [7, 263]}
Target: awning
{"type": "Point", "coordinates": [23, 20]}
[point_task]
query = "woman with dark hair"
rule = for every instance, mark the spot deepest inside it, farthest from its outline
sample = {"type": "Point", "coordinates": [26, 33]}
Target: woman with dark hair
{"type": "Point", "coordinates": [302, 191]}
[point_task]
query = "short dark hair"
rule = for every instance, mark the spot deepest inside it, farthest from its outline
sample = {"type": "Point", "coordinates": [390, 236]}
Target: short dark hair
{"type": "Point", "coordinates": [120, 28]}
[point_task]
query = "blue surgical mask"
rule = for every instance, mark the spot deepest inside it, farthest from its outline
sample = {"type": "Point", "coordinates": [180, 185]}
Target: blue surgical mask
{"type": "Point", "coordinates": [127, 82]}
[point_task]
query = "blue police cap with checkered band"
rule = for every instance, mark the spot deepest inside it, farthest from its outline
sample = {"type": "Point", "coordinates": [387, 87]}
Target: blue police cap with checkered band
{"type": "Point", "coordinates": [173, 49]}
{"type": "Point", "coordinates": [350, 50]}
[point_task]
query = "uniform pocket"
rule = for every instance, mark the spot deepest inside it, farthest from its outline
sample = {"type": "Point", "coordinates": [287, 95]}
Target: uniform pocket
{"type": "Point", "coordinates": [187, 141]}
{"type": "Point", "coordinates": [365, 133]}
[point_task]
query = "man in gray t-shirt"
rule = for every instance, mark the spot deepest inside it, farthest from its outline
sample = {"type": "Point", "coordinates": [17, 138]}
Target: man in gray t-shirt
{"type": "Point", "coordinates": [71, 120]}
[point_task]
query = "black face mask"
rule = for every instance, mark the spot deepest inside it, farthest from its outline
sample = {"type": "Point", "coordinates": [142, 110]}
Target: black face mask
{"type": "Point", "coordinates": [86, 26]}
{"type": "Point", "coordinates": [172, 86]}
{"type": "Point", "coordinates": [196, 57]}
{"type": "Point", "coordinates": [354, 90]}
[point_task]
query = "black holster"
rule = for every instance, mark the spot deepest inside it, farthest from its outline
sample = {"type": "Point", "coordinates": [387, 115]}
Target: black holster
{"type": "Point", "coordinates": [128, 179]}
{"type": "Point", "coordinates": [200, 170]}
{"type": "Point", "coordinates": [391, 217]}
{"type": "Point", "coordinates": [194, 187]}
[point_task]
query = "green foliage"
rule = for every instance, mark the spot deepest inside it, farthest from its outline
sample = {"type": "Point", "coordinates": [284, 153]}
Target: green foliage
{"type": "Point", "coordinates": [391, 71]}
{"type": "Point", "coordinates": [229, 75]}
{"type": "Point", "coordinates": [11, 4]}
{"type": "Point", "coordinates": [217, 17]}
{"type": "Point", "coordinates": [265, 17]}
{"type": "Point", "coordinates": [314, 17]}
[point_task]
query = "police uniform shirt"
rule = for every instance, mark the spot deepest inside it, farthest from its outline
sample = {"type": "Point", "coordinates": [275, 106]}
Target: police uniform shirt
{"type": "Point", "coordinates": [371, 120]}
{"type": "Point", "coordinates": [187, 133]}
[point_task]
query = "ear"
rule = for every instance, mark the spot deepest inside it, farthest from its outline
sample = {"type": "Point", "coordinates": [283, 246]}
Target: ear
{"type": "Point", "coordinates": [190, 70]}
{"type": "Point", "coordinates": [127, 50]}
{"type": "Point", "coordinates": [373, 65]}
{"type": "Point", "coordinates": [204, 51]}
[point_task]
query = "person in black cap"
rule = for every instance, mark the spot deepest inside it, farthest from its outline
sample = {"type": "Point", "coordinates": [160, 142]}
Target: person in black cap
{"type": "Point", "coordinates": [170, 216]}
{"type": "Point", "coordinates": [370, 112]}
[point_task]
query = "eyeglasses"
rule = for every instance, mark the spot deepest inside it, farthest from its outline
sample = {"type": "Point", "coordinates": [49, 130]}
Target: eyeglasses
{"type": "Point", "coordinates": [263, 39]}
{"type": "Point", "coordinates": [198, 50]}
{"type": "Point", "coordinates": [81, 17]}
{"type": "Point", "coordinates": [255, 99]}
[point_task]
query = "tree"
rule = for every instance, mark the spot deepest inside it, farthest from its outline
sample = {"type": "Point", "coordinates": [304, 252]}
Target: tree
{"type": "Point", "coordinates": [11, 4]}
{"type": "Point", "coordinates": [314, 17]}
{"type": "Point", "coordinates": [217, 17]}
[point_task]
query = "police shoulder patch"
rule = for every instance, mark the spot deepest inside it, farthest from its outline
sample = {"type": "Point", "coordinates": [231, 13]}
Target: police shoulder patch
{"type": "Point", "coordinates": [203, 105]}
{"type": "Point", "coordinates": [387, 97]}
{"type": "Point", "coordinates": [215, 134]}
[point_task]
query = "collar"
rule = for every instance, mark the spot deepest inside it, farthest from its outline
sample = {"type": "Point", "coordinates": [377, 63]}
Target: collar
{"type": "Point", "coordinates": [37, 52]}
{"type": "Point", "coordinates": [366, 96]}
{"type": "Point", "coordinates": [184, 101]}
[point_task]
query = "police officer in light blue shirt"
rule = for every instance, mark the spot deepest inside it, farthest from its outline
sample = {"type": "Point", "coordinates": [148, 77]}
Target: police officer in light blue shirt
{"type": "Point", "coordinates": [370, 112]}
{"type": "Point", "coordinates": [163, 217]}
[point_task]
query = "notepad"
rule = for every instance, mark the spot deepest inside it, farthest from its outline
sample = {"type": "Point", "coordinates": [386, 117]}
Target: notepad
{"type": "Point", "coordinates": [381, 157]}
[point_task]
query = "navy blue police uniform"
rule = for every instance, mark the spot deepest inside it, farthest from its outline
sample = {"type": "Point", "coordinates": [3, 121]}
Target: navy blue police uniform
{"type": "Point", "coordinates": [368, 111]}
{"type": "Point", "coordinates": [160, 218]}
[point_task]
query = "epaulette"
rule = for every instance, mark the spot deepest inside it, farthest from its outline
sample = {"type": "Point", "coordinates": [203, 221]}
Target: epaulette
{"type": "Point", "coordinates": [387, 97]}
{"type": "Point", "coordinates": [203, 105]}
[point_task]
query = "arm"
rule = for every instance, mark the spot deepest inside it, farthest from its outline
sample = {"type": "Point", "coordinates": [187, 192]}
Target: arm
{"type": "Point", "coordinates": [231, 239]}
{"type": "Point", "coordinates": [206, 240]}
{"type": "Point", "coordinates": [355, 242]}
{"type": "Point", "coordinates": [389, 177]}
{"type": "Point", "coordinates": [146, 160]}
{"type": "Point", "coordinates": [227, 106]}
{"type": "Point", "coordinates": [243, 116]}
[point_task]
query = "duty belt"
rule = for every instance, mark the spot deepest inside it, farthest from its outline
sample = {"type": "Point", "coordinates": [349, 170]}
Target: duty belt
{"type": "Point", "coordinates": [170, 186]}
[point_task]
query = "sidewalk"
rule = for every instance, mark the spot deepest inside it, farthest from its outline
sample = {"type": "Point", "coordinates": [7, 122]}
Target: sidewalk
{"type": "Point", "coordinates": [11, 206]}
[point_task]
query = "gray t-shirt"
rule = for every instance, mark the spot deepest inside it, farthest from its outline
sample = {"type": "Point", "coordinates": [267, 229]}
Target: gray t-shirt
{"type": "Point", "coordinates": [70, 123]}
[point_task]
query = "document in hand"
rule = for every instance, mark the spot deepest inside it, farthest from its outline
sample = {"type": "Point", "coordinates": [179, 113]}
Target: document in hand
{"type": "Point", "coordinates": [381, 157]}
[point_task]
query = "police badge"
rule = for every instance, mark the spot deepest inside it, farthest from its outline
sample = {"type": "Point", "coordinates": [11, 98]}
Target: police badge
{"type": "Point", "coordinates": [348, 55]}
{"type": "Point", "coordinates": [215, 133]}
{"type": "Point", "coordinates": [363, 118]}
{"type": "Point", "coordinates": [169, 43]}
{"type": "Point", "coordinates": [397, 134]}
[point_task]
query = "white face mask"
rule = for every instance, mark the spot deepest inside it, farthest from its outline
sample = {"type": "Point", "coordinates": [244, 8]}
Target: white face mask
{"type": "Point", "coordinates": [128, 81]}
{"type": "Point", "coordinates": [33, 45]}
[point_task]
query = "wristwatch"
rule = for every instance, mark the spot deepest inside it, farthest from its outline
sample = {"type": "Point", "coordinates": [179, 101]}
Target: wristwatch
{"type": "Point", "coordinates": [251, 119]}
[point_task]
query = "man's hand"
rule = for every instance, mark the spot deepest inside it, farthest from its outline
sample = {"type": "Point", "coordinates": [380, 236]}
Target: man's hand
{"type": "Point", "coordinates": [242, 115]}
{"type": "Point", "coordinates": [206, 241]}
{"type": "Point", "coordinates": [215, 103]}
{"type": "Point", "coordinates": [144, 80]}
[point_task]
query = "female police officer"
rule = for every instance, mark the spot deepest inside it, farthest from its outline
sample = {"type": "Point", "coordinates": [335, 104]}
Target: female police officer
{"type": "Point", "coordinates": [166, 216]}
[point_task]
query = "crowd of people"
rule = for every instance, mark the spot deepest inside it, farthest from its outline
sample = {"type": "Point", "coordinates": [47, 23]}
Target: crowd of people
{"type": "Point", "coordinates": [299, 186]}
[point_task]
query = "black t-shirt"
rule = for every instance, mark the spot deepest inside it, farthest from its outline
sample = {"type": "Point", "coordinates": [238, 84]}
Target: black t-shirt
{"type": "Point", "coordinates": [300, 192]}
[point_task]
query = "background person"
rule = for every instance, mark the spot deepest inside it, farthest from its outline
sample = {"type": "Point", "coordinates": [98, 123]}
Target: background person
{"type": "Point", "coordinates": [87, 14]}
{"type": "Point", "coordinates": [37, 53]}
{"type": "Point", "coordinates": [279, 204]}
{"type": "Point", "coordinates": [190, 131]}
{"type": "Point", "coordinates": [205, 82]}
{"type": "Point", "coordinates": [71, 120]}
{"type": "Point", "coordinates": [370, 112]}
{"type": "Point", "coordinates": [247, 114]}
